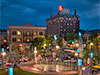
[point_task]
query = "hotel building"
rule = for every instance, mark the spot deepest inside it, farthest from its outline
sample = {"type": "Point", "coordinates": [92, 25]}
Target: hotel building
{"type": "Point", "coordinates": [62, 23]}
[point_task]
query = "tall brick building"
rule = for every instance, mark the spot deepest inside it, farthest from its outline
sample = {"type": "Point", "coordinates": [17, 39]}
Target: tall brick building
{"type": "Point", "coordinates": [63, 23]}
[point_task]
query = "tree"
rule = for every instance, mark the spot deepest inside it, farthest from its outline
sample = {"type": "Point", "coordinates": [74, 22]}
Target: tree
{"type": "Point", "coordinates": [15, 52]}
{"type": "Point", "coordinates": [38, 42]}
{"type": "Point", "coordinates": [59, 41]}
{"type": "Point", "coordinates": [71, 36]}
{"type": "Point", "coordinates": [48, 40]}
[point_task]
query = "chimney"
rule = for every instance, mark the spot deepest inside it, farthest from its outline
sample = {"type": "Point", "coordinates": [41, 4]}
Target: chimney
{"type": "Point", "coordinates": [75, 12]}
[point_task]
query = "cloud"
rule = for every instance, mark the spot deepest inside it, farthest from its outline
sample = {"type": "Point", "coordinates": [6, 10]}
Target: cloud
{"type": "Point", "coordinates": [93, 12]}
{"type": "Point", "coordinates": [37, 11]}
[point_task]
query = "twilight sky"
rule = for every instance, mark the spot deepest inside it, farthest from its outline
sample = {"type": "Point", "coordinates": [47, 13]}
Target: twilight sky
{"type": "Point", "coordinates": [19, 12]}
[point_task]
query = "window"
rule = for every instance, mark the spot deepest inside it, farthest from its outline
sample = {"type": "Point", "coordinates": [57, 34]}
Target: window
{"type": "Point", "coordinates": [14, 39]}
{"type": "Point", "coordinates": [64, 27]}
{"type": "Point", "coordinates": [64, 23]}
{"type": "Point", "coordinates": [61, 20]}
{"type": "Point", "coordinates": [66, 18]}
{"type": "Point", "coordinates": [61, 27]}
{"type": "Point", "coordinates": [35, 33]}
{"type": "Point", "coordinates": [28, 40]}
{"type": "Point", "coordinates": [19, 39]}
{"type": "Point", "coordinates": [73, 29]}
{"type": "Point", "coordinates": [40, 33]}
{"type": "Point", "coordinates": [69, 18]}
{"type": "Point", "coordinates": [18, 32]}
{"type": "Point", "coordinates": [28, 33]}
{"type": "Point", "coordinates": [67, 23]}
{"type": "Point", "coordinates": [14, 33]}
{"type": "Point", "coordinates": [70, 23]}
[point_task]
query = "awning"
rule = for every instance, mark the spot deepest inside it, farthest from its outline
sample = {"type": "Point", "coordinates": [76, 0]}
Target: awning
{"type": "Point", "coordinates": [96, 66]}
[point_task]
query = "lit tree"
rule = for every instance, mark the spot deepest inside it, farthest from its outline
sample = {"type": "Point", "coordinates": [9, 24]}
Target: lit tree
{"type": "Point", "coordinates": [38, 42]}
{"type": "Point", "coordinates": [71, 36]}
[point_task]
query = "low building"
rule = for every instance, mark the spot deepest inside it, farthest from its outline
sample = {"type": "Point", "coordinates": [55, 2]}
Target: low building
{"type": "Point", "coordinates": [24, 33]}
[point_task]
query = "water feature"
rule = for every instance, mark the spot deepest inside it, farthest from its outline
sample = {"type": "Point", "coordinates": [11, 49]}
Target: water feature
{"type": "Point", "coordinates": [52, 67]}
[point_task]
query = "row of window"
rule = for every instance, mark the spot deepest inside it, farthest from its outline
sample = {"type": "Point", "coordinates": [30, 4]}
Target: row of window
{"type": "Point", "coordinates": [65, 21]}
{"type": "Point", "coordinates": [27, 33]}
{"type": "Point", "coordinates": [68, 27]}
{"type": "Point", "coordinates": [20, 40]}
{"type": "Point", "coordinates": [68, 18]}
{"type": "Point", "coordinates": [68, 30]}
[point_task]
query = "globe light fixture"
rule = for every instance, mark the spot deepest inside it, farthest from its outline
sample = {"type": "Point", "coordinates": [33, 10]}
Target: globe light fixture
{"type": "Point", "coordinates": [57, 47]}
{"type": "Point", "coordinates": [35, 51]}
{"type": "Point", "coordinates": [83, 68]}
{"type": "Point", "coordinates": [91, 44]}
{"type": "Point", "coordinates": [79, 34]}
{"type": "Point", "coordinates": [76, 54]}
{"type": "Point", "coordinates": [3, 53]}
{"type": "Point", "coordinates": [55, 37]}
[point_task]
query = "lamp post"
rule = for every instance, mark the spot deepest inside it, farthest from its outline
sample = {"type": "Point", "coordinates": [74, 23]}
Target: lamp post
{"type": "Point", "coordinates": [57, 47]}
{"type": "Point", "coordinates": [35, 53]}
{"type": "Point", "coordinates": [76, 54]}
{"type": "Point", "coordinates": [79, 66]}
{"type": "Point", "coordinates": [3, 54]}
{"type": "Point", "coordinates": [91, 56]}
{"type": "Point", "coordinates": [83, 69]}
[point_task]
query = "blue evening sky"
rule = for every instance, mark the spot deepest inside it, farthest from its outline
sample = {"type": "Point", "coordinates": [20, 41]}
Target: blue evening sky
{"type": "Point", "coordinates": [19, 12]}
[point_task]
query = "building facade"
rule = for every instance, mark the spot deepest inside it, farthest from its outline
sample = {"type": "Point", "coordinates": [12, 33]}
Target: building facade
{"type": "Point", "coordinates": [24, 33]}
{"type": "Point", "coordinates": [63, 23]}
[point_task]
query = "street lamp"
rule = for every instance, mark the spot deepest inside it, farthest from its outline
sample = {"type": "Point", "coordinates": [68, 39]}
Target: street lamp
{"type": "Point", "coordinates": [3, 54]}
{"type": "Point", "coordinates": [76, 54]}
{"type": "Point", "coordinates": [55, 37]}
{"type": "Point", "coordinates": [35, 53]}
{"type": "Point", "coordinates": [91, 44]}
{"type": "Point", "coordinates": [57, 47]}
{"type": "Point", "coordinates": [91, 56]}
{"type": "Point", "coordinates": [83, 68]}
{"type": "Point", "coordinates": [77, 45]}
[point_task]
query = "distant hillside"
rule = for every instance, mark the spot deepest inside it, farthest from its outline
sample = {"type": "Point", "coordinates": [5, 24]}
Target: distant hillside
{"type": "Point", "coordinates": [3, 30]}
{"type": "Point", "coordinates": [90, 31]}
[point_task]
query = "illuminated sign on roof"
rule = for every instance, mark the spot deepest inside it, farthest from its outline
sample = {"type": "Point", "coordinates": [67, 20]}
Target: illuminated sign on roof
{"type": "Point", "coordinates": [60, 8]}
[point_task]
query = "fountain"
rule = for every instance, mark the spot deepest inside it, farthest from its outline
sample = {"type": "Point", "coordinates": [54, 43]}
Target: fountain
{"type": "Point", "coordinates": [49, 67]}
{"type": "Point", "coordinates": [53, 50]}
